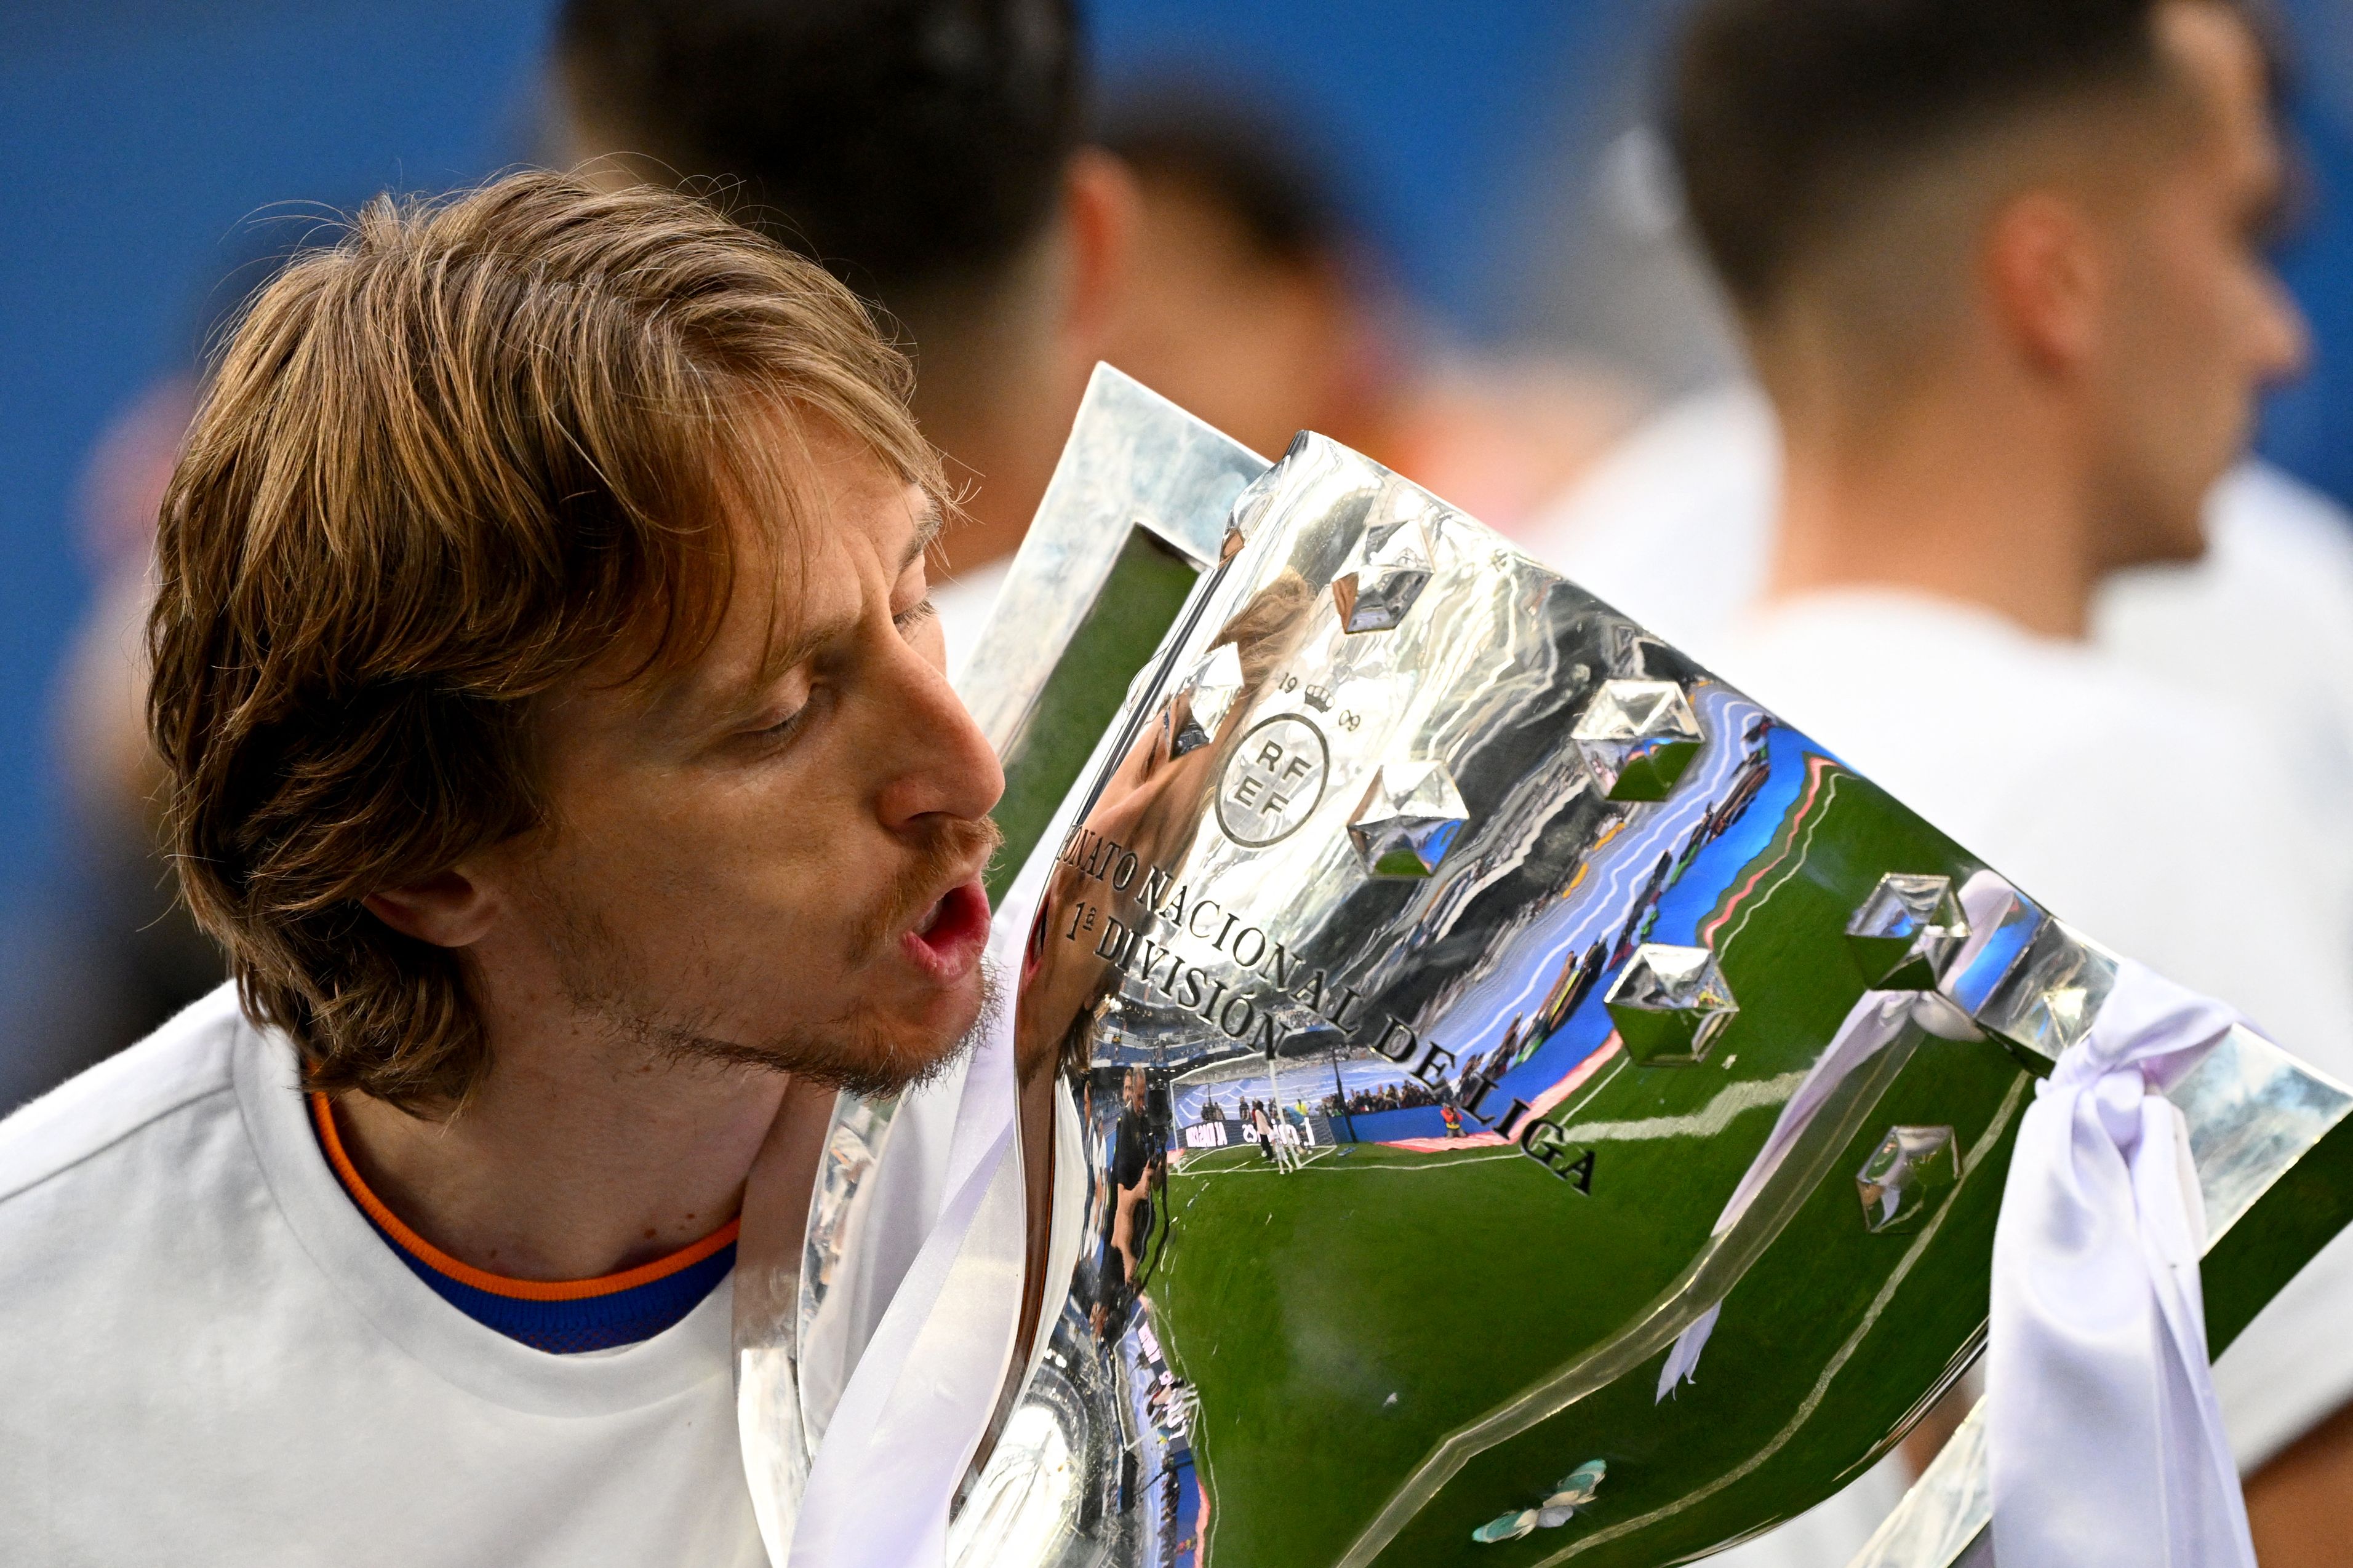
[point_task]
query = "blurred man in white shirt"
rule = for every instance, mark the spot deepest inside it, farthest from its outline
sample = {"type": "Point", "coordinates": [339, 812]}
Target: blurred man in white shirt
{"type": "Point", "coordinates": [1675, 527]}
{"type": "Point", "coordinates": [1999, 270]}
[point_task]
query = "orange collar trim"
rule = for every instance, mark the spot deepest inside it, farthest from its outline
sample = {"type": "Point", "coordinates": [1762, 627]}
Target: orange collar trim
{"type": "Point", "coordinates": [322, 1112]}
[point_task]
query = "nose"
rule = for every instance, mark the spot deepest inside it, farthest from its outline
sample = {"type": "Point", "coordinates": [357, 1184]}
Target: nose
{"type": "Point", "coordinates": [2284, 343]}
{"type": "Point", "coordinates": [937, 762]}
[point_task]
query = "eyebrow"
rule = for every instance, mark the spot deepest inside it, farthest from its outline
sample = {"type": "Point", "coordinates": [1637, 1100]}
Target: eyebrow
{"type": "Point", "coordinates": [792, 651]}
{"type": "Point", "coordinates": [928, 524]}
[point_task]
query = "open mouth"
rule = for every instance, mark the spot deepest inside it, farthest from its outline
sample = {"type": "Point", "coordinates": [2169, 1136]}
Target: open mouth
{"type": "Point", "coordinates": [948, 940]}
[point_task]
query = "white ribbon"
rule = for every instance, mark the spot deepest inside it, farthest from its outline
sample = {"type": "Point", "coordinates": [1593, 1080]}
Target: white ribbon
{"type": "Point", "coordinates": [2106, 1440]}
{"type": "Point", "coordinates": [1875, 1022]}
{"type": "Point", "coordinates": [925, 1385]}
{"type": "Point", "coordinates": [1872, 1025]}
{"type": "Point", "coordinates": [923, 1389]}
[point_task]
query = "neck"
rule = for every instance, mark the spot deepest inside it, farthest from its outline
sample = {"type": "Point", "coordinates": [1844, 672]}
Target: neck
{"type": "Point", "coordinates": [580, 1155]}
{"type": "Point", "coordinates": [1974, 496]}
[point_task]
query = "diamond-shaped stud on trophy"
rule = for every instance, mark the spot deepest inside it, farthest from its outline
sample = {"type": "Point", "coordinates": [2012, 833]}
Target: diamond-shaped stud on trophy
{"type": "Point", "coordinates": [1407, 820]}
{"type": "Point", "coordinates": [1670, 1003]}
{"type": "Point", "coordinates": [1205, 700]}
{"type": "Point", "coordinates": [1903, 935]}
{"type": "Point", "coordinates": [2050, 998]}
{"type": "Point", "coordinates": [1638, 737]}
{"type": "Point", "coordinates": [1392, 570]}
{"type": "Point", "coordinates": [1905, 1174]}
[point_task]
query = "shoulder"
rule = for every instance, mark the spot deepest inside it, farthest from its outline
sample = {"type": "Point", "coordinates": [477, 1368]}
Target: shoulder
{"type": "Point", "coordinates": [1965, 717]}
{"type": "Point", "coordinates": [1970, 674]}
{"type": "Point", "coordinates": [2264, 518]}
{"type": "Point", "coordinates": [185, 1064]}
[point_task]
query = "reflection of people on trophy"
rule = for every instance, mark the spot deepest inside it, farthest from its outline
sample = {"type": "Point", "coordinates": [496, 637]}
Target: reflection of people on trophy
{"type": "Point", "coordinates": [1286, 1130]}
{"type": "Point", "coordinates": [1138, 1162]}
{"type": "Point", "coordinates": [1054, 1010]}
{"type": "Point", "coordinates": [1149, 808]}
{"type": "Point", "coordinates": [1409, 1094]}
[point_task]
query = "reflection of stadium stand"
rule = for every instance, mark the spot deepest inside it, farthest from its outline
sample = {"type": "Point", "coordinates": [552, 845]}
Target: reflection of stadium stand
{"type": "Point", "coordinates": [1405, 1096]}
{"type": "Point", "coordinates": [1575, 982]}
{"type": "Point", "coordinates": [1539, 832]}
{"type": "Point", "coordinates": [1747, 781]}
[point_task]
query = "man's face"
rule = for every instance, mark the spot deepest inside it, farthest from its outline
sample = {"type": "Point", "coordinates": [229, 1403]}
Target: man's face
{"type": "Point", "coordinates": [2197, 323]}
{"type": "Point", "coordinates": [769, 859]}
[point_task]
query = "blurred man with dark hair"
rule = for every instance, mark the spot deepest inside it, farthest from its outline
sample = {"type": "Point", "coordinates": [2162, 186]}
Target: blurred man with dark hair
{"type": "Point", "coordinates": [1999, 268]}
{"type": "Point", "coordinates": [1254, 300]}
{"type": "Point", "coordinates": [2023, 228]}
{"type": "Point", "coordinates": [1247, 303]}
{"type": "Point", "coordinates": [929, 153]}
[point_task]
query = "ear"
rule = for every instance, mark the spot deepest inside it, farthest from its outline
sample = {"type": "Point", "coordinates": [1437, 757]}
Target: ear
{"type": "Point", "coordinates": [2045, 280]}
{"type": "Point", "coordinates": [451, 909]}
{"type": "Point", "coordinates": [1103, 209]}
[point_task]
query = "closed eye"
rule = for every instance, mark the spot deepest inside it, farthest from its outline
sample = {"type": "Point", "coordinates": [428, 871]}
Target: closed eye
{"type": "Point", "coordinates": [908, 620]}
{"type": "Point", "coordinates": [782, 726]}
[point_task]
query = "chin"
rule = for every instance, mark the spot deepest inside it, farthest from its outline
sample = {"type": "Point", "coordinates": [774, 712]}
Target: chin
{"type": "Point", "coordinates": [958, 1014]}
{"type": "Point", "coordinates": [914, 1048]}
{"type": "Point", "coordinates": [875, 1050]}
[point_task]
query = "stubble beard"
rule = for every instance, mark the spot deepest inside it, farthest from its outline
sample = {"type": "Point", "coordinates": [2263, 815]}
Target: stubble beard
{"type": "Point", "coordinates": [857, 1051]}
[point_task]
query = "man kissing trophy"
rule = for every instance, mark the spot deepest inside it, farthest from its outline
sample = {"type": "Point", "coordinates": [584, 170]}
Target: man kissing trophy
{"type": "Point", "coordinates": [1641, 1117]}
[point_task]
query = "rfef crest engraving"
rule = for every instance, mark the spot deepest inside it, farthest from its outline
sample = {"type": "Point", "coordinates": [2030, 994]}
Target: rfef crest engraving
{"type": "Point", "coordinates": [1274, 781]}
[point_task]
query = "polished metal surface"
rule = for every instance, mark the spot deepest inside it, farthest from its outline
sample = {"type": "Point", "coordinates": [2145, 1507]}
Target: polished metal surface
{"type": "Point", "coordinates": [1906, 933]}
{"type": "Point", "coordinates": [1942, 1522]}
{"type": "Point", "coordinates": [1485, 1022]}
{"type": "Point", "coordinates": [794, 1342]}
{"type": "Point", "coordinates": [2254, 1112]}
{"type": "Point", "coordinates": [1138, 505]}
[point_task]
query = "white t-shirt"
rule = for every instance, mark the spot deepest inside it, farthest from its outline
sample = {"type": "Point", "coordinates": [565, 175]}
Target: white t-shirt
{"type": "Point", "coordinates": [2140, 815]}
{"type": "Point", "coordinates": [1672, 525]}
{"type": "Point", "coordinates": [2264, 623]}
{"type": "Point", "coordinates": [207, 1357]}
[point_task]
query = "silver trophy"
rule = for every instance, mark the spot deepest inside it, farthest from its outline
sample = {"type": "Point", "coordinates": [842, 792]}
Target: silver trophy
{"type": "Point", "coordinates": [1538, 1105]}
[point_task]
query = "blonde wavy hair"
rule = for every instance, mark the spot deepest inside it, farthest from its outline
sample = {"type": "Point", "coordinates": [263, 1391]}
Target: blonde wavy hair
{"type": "Point", "coordinates": [441, 466]}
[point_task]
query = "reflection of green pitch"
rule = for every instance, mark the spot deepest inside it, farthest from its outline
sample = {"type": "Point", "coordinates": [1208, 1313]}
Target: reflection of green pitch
{"type": "Point", "coordinates": [1371, 1302]}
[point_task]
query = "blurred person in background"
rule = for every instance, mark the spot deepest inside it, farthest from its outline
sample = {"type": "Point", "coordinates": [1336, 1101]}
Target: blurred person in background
{"type": "Point", "coordinates": [928, 152]}
{"type": "Point", "coordinates": [1250, 299]}
{"type": "Point", "coordinates": [120, 954]}
{"type": "Point", "coordinates": [933, 156]}
{"type": "Point", "coordinates": [1999, 270]}
{"type": "Point", "coordinates": [1676, 526]}
{"type": "Point", "coordinates": [1254, 300]}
